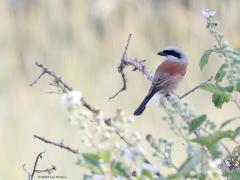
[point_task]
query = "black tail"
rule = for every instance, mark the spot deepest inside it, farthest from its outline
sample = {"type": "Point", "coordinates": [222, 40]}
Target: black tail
{"type": "Point", "coordinates": [142, 106]}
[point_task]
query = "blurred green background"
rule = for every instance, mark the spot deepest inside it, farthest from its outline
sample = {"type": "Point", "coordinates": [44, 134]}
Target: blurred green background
{"type": "Point", "coordinates": [83, 41]}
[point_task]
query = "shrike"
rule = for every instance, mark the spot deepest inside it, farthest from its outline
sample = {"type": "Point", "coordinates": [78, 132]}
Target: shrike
{"type": "Point", "coordinates": [167, 76]}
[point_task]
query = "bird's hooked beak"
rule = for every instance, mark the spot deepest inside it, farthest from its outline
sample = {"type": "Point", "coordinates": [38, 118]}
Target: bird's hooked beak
{"type": "Point", "coordinates": [161, 53]}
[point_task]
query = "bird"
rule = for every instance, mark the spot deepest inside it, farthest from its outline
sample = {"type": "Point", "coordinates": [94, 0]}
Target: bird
{"type": "Point", "coordinates": [167, 76]}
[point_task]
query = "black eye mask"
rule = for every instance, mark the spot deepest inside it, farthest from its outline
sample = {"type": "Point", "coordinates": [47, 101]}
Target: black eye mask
{"type": "Point", "coordinates": [172, 53]}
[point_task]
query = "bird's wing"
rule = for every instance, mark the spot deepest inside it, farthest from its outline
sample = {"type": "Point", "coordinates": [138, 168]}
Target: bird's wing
{"type": "Point", "coordinates": [161, 80]}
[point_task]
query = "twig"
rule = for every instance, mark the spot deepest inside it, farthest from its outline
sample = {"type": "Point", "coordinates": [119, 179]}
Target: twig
{"type": "Point", "coordinates": [48, 170]}
{"type": "Point", "coordinates": [121, 67]}
{"type": "Point", "coordinates": [58, 80]}
{"type": "Point", "coordinates": [195, 88]}
{"type": "Point", "coordinates": [76, 151]}
{"type": "Point", "coordinates": [60, 145]}
{"type": "Point", "coordinates": [28, 173]}
{"type": "Point", "coordinates": [51, 73]}
{"type": "Point", "coordinates": [35, 164]}
{"type": "Point", "coordinates": [35, 170]}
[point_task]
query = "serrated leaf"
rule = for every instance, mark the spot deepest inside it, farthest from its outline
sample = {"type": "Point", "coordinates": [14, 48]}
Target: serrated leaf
{"type": "Point", "coordinates": [105, 155]}
{"type": "Point", "coordinates": [147, 173]}
{"type": "Point", "coordinates": [218, 100]}
{"type": "Point", "coordinates": [204, 58]}
{"type": "Point", "coordinates": [91, 162]}
{"type": "Point", "coordinates": [212, 139]}
{"type": "Point", "coordinates": [216, 89]}
{"type": "Point", "coordinates": [196, 123]}
{"type": "Point", "coordinates": [119, 169]}
{"type": "Point", "coordinates": [226, 122]}
{"type": "Point", "coordinates": [221, 73]}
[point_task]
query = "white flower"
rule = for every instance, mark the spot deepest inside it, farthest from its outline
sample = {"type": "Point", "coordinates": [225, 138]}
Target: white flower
{"type": "Point", "coordinates": [214, 163]}
{"type": "Point", "coordinates": [229, 49]}
{"type": "Point", "coordinates": [208, 13]}
{"type": "Point", "coordinates": [150, 167]}
{"type": "Point", "coordinates": [120, 178]}
{"type": "Point", "coordinates": [98, 177]}
{"type": "Point", "coordinates": [140, 149]}
{"type": "Point", "coordinates": [189, 148]}
{"type": "Point", "coordinates": [169, 142]}
{"type": "Point", "coordinates": [71, 98]}
{"type": "Point", "coordinates": [127, 152]}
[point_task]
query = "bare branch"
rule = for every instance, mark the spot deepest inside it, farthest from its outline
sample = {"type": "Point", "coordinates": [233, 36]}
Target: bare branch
{"type": "Point", "coordinates": [48, 170]}
{"type": "Point", "coordinates": [195, 88]}
{"type": "Point", "coordinates": [76, 151]}
{"type": "Point", "coordinates": [28, 173]}
{"type": "Point", "coordinates": [58, 80]}
{"type": "Point", "coordinates": [121, 68]}
{"type": "Point", "coordinates": [35, 170]}
{"type": "Point", "coordinates": [35, 164]}
{"type": "Point", "coordinates": [60, 145]}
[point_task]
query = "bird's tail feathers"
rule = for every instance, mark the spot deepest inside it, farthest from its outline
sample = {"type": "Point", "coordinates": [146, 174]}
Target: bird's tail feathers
{"type": "Point", "coordinates": [142, 106]}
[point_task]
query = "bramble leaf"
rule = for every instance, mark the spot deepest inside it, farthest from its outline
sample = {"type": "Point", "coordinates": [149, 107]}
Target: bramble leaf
{"type": "Point", "coordinates": [226, 122]}
{"type": "Point", "coordinates": [204, 58]}
{"type": "Point", "coordinates": [119, 169]}
{"type": "Point", "coordinates": [221, 73]}
{"type": "Point", "coordinates": [196, 123]}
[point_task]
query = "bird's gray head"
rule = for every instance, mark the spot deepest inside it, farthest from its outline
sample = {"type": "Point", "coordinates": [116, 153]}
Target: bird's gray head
{"type": "Point", "coordinates": [174, 54]}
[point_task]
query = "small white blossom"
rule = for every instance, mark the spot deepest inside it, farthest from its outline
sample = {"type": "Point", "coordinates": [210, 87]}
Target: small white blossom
{"type": "Point", "coordinates": [150, 167]}
{"type": "Point", "coordinates": [127, 152]}
{"type": "Point", "coordinates": [71, 98]}
{"type": "Point", "coordinates": [120, 178]}
{"type": "Point", "coordinates": [140, 149]}
{"type": "Point", "coordinates": [98, 177]}
{"type": "Point", "coordinates": [208, 13]}
{"type": "Point", "coordinates": [189, 148]}
{"type": "Point", "coordinates": [229, 49]}
{"type": "Point", "coordinates": [169, 142]}
{"type": "Point", "coordinates": [214, 163]}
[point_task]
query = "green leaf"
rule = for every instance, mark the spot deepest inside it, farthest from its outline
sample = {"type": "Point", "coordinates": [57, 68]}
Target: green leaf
{"type": "Point", "coordinates": [235, 175]}
{"type": "Point", "coordinates": [228, 121]}
{"type": "Point", "coordinates": [105, 155]}
{"type": "Point", "coordinates": [196, 123]}
{"type": "Point", "coordinates": [229, 88]}
{"type": "Point", "coordinates": [212, 139]}
{"type": "Point", "coordinates": [237, 132]}
{"type": "Point", "coordinates": [119, 169]}
{"type": "Point", "coordinates": [220, 95]}
{"type": "Point", "coordinates": [216, 89]}
{"type": "Point", "coordinates": [147, 173]}
{"type": "Point", "coordinates": [221, 73]}
{"type": "Point", "coordinates": [91, 162]}
{"type": "Point", "coordinates": [187, 166]}
{"type": "Point", "coordinates": [218, 100]}
{"type": "Point", "coordinates": [204, 58]}
{"type": "Point", "coordinates": [238, 86]}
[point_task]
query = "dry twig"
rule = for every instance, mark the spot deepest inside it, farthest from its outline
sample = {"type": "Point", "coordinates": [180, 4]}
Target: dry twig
{"type": "Point", "coordinates": [35, 170]}
{"type": "Point", "coordinates": [60, 145]}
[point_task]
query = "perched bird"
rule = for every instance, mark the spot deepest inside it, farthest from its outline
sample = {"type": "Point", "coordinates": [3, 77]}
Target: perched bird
{"type": "Point", "coordinates": [167, 76]}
